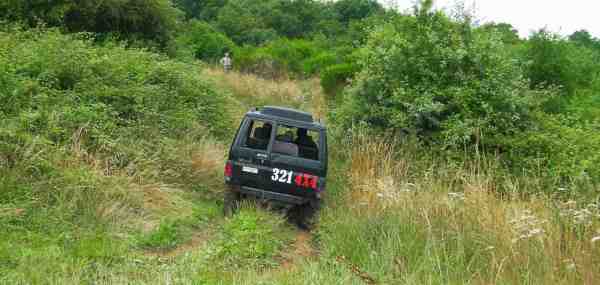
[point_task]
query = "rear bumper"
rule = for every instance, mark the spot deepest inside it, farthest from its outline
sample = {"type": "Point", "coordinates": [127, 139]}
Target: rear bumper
{"type": "Point", "coordinates": [268, 195]}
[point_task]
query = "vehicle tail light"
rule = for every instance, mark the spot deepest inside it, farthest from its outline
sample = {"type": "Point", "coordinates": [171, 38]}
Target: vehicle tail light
{"type": "Point", "coordinates": [313, 182]}
{"type": "Point", "coordinates": [228, 169]}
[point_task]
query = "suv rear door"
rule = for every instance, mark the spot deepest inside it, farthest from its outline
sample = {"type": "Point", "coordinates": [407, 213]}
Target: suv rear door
{"type": "Point", "coordinates": [270, 156]}
{"type": "Point", "coordinates": [296, 160]}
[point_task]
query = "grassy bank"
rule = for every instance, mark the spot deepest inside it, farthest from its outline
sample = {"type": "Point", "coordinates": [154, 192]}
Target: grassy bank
{"type": "Point", "coordinates": [111, 168]}
{"type": "Point", "coordinates": [110, 173]}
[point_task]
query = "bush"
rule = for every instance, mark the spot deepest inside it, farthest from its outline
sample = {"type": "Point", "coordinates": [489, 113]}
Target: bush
{"type": "Point", "coordinates": [555, 61]}
{"type": "Point", "coordinates": [62, 89]}
{"type": "Point", "coordinates": [433, 76]}
{"type": "Point", "coordinates": [201, 41]}
{"type": "Point", "coordinates": [278, 58]}
{"type": "Point", "coordinates": [336, 76]}
{"type": "Point", "coordinates": [318, 63]}
{"type": "Point", "coordinates": [561, 147]}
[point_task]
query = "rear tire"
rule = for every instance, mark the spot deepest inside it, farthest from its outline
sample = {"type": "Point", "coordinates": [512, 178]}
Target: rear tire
{"type": "Point", "coordinates": [231, 202]}
{"type": "Point", "coordinates": [306, 215]}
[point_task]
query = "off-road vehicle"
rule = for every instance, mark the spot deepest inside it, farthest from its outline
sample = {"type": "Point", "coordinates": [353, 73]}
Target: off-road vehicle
{"type": "Point", "coordinates": [279, 156]}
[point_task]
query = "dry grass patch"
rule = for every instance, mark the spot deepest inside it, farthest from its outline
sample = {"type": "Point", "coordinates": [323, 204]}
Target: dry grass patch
{"type": "Point", "coordinates": [253, 91]}
{"type": "Point", "coordinates": [472, 233]}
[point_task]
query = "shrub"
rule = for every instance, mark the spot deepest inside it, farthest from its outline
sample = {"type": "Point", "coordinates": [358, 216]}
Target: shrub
{"type": "Point", "coordinates": [433, 76]}
{"type": "Point", "coordinates": [201, 41]}
{"type": "Point", "coordinates": [561, 147]}
{"type": "Point", "coordinates": [318, 63]}
{"type": "Point", "coordinates": [291, 53]}
{"type": "Point", "coordinates": [336, 76]}
{"type": "Point", "coordinates": [278, 58]}
{"type": "Point", "coordinates": [58, 85]}
{"type": "Point", "coordinates": [555, 61]}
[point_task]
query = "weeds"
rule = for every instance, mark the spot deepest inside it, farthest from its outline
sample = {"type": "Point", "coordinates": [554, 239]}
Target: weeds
{"type": "Point", "coordinates": [166, 236]}
{"type": "Point", "coordinates": [417, 218]}
{"type": "Point", "coordinates": [252, 238]}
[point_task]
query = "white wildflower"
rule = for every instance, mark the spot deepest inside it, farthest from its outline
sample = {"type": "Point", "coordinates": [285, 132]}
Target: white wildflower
{"type": "Point", "coordinates": [526, 226]}
{"type": "Point", "coordinates": [456, 196]}
{"type": "Point", "coordinates": [535, 232]}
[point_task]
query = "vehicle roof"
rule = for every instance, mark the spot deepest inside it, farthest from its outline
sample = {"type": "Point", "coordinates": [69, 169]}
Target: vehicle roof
{"type": "Point", "coordinates": [286, 115]}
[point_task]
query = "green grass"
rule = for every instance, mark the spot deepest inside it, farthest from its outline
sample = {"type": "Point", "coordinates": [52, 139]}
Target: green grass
{"type": "Point", "coordinates": [252, 238]}
{"type": "Point", "coordinates": [89, 196]}
{"type": "Point", "coordinates": [166, 236]}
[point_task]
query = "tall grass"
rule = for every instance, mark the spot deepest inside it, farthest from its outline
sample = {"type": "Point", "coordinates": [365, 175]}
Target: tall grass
{"type": "Point", "coordinates": [253, 91]}
{"type": "Point", "coordinates": [411, 217]}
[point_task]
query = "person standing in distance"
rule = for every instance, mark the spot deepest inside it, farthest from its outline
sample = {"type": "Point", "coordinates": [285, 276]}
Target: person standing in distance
{"type": "Point", "coordinates": [226, 62]}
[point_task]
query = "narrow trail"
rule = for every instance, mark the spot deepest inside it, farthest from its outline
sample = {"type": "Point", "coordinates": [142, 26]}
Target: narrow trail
{"type": "Point", "coordinates": [249, 90]}
{"type": "Point", "coordinates": [301, 249]}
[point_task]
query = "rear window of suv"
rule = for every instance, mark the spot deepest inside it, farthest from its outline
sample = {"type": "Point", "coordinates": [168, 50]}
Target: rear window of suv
{"type": "Point", "coordinates": [296, 142]}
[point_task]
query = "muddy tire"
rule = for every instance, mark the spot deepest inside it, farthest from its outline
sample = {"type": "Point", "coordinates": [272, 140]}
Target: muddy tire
{"type": "Point", "coordinates": [231, 202]}
{"type": "Point", "coordinates": [306, 216]}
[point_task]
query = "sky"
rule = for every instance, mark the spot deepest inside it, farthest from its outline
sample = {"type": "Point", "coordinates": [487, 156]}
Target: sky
{"type": "Point", "coordinates": [560, 16]}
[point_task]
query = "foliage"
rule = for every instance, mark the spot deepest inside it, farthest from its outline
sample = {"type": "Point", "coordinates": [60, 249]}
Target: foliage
{"type": "Point", "coordinates": [242, 21]}
{"type": "Point", "coordinates": [201, 41]}
{"type": "Point", "coordinates": [555, 61]}
{"type": "Point", "coordinates": [204, 10]}
{"type": "Point", "coordinates": [130, 19]}
{"type": "Point", "coordinates": [565, 148]}
{"type": "Point", "coordinates": [252, 238]}
{"type": "Point", "coordinates": [435, 77]}
{"type": "Point", "coordinates": [256, 22]}
{"type": "Point", "coordinates": [336, 76]}
{"type": "Point", "coordinates": [319, 62]}
{"type": "Point", "coordinates": [349, 10]}
{"type": "Point", "coordinates": [508, 34]}
{"type": "Point", "coordinates": [100, 89]}
{"type": "Point", "coordinates": [280, 58]}
{"type": "Point", "coordinates": [166, 235]}
{"type": "Point", "coordinates": [583, 37]}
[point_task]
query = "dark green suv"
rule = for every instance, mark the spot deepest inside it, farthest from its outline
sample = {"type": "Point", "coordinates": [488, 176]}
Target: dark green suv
{"type": "Point", "coordinates": [279, 155]}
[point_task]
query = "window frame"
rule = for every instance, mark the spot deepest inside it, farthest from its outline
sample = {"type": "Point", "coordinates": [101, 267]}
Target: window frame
{"type": "Point", "coordinates": [319, 144]}
{"type": "Point", "coordinates": [248, 123]}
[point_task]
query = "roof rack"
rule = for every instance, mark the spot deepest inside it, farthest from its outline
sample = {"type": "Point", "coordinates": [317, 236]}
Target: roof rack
{"type": "Point", "coordinates": [287, 113]}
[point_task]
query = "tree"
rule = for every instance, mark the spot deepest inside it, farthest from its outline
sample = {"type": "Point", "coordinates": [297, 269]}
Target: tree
{"type": "Point", "coordinates": [241, 21]}
{"type": "Point", "coordinates": [508, 34]}
{"type": "Point", "coordinates": [348, 10]}
{"type": "Point", "coordinates": [202, 41]}
{"type": "Point", "coordinates": [137, 19]}
{"type": "Point", "coordinates": [584, 38]}
{"type": "Point", "coordinates": [556, 61]}
{"type": "Point", "coordinates": [205, 10]}
{"type": "Point", "coordinates": [437, 78]}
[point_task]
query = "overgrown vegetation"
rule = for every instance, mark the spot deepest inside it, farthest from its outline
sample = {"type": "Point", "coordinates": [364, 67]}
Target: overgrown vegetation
{"type": "Point", "coordinates": [459, 153]}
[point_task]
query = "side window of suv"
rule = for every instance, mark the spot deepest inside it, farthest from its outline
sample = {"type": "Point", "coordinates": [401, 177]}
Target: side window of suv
{"type": "Point", "coordinates": [258, 135]}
